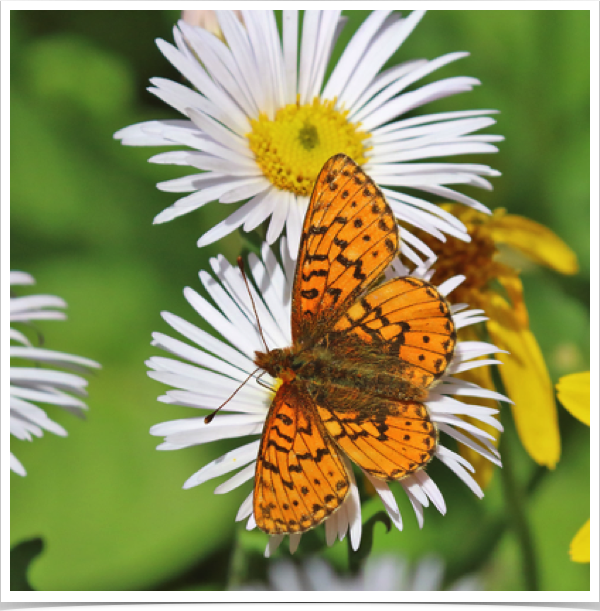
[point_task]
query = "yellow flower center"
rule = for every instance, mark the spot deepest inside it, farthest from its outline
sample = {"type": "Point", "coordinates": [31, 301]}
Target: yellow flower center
{"type": "Point", "coordinates": [292, 149]}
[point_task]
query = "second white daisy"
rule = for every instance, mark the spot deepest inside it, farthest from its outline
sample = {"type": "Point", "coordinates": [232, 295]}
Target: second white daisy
{"type": "Point", "coordinates": [214, 369]}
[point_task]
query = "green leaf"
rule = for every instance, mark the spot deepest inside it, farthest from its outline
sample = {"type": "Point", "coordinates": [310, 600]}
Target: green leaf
{"type": "Point", "coordinates": [356, 558]}
{"type": "Point", "coordinates": [21, 556]}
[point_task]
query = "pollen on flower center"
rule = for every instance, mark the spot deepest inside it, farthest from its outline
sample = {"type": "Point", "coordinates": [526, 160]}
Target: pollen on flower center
{"type": "Point", "coordinates": [291, 149]}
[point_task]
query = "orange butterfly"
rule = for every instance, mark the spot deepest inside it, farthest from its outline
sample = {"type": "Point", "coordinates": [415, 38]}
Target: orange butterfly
{"type": "Point", "coordinates": [363, 357]}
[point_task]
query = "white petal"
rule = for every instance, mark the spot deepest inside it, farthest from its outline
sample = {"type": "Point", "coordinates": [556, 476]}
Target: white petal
{"type": "Point", "coordinates": [266, 202]}
{"type": "Point", "coordinates": [179, 97]}
{"type": "Point", "coordinates": [208, 342]}
{"type": "Point", "coordinates": [278, 217]}
{"type": "Point", "coordinates": [449, 285]}
{"type": "Point", "coordinates": [383, 79]}
{"type": "Point", "coordinates": [272, 293]}
{"type": "Point", "coordinates": [399, 126]}
{"type": "Point", "coordinates": [220, 133]}
{"type": "Point", "coordinates": [294, 542]}
{"type": "Point", "coordinates": [32, 376]}
{"type": "Point", "coordinates": [36, 416]}
{"type": "Point", "coordinates": [245, 189]}
{"type": "Point", "coordinates": [461, 472]}
{"type": "Point", "coordinates": [21, 278]}
{"type": "Point", "coordinates": [467, 426]}
{"type": "Point", "coordinates": [49, 395]}
{"type": "Point", "coordinates": [295, 221]}
{"type": "Point", "coordinates": [273, 544]}
{"type": "Point", "coordinates": [230, 224]}
{"type": "Point", "coordinates": [465, 351]}
{"type": "Point", "coordinates": [219, 63]}
{"type": "Point", "coordinates": [212, 188]}
{"type": "Point", "coordinates": [17, 336]}
{"type": "Point", "coordinates": [325, 40]}
{"type": "Point", "coordinates": [15, 463]}
{"type": "Point", "coordinates": [230, 114]}
{"type": "Point", "coordinates": [31, 303]}
{"type": "Point", "coordinates": [237, 480]}
{"type": "Point", "coordinates": [248, 342]}
{"type": "Point", "coordinates": [194, 431]}
{"type": "Point", "coordinates": [198, 357]}
{"type": "Point", "coordinates": [469, 443]}
{"type": "Point", "coordinates": [455, 196]}
{"type": "Point", "coordinates": [290, 54]}
{"type": "Point", "coordinates": [352, 54]}
{"type": "Point", "coordinates": [237, 39]}
{"type": "Point", "coordinates": [418, 508]}
{"type": "Point", "coordinates": [385, 42]}
{"type": "Point", "coordinates": [407, 101]}
{"type": "Point", "coordinates": [353, 509]}
{"type": "Point", "coordinates": [466, 366]}
{"type": "Point", "coordinates": [431, 490]}
{"type": "Point", "coordinates": [468, 389]}
{"type": "Point", "coordinates": [387, 498]}
{"type": "Point", "coordinates": [245, 508]}
{"type": "Point", "coordinates": [401, 84]}
{"type": "Point", "coordinates": [310, 31]}
{"type": "Point", "coordinates": [264, 39]}
{"type": "Point", "coordinates": [237, 289]}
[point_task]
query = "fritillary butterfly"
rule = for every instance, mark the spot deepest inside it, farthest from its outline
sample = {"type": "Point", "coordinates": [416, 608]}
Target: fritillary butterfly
{"type": "Point", "coordinates": [363, 357]}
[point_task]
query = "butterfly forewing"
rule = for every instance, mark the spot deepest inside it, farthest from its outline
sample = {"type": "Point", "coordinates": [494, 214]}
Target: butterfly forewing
{"type": "Point", "coordinates": [300, 476]}
{"type": "Point", "coordinates": [349, 237]}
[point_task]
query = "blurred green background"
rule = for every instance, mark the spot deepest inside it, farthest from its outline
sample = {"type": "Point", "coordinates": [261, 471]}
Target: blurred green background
{"type": "Point", "coordinates": [109, 508]}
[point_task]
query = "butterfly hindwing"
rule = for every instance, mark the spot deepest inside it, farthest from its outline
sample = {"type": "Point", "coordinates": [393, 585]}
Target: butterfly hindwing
{"type": "Point", "coordinates": [349, 237]}
{"type": "Point", "coordinates": [388, 439]}
{"type": "Point", "coordinates": [405, 324]}
{"type": "Point", "coordinates": [300, 476]}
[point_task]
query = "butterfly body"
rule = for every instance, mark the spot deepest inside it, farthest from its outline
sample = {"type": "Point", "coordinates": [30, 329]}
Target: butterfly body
{"type": "Point", "coordinates": [364, 355]}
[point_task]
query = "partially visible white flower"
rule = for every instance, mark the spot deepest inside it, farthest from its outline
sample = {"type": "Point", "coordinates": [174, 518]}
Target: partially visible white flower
{"type": "Point", "coordinates": [379, 574]}
{"type": "Point", "coordinates": [206, 20]}
{"type": "Point", "coordinates": [35, 384]}
{"type": "Point", "coordinates": [215, 368]}
{"type": "Point", "coordinates": [261, 120]}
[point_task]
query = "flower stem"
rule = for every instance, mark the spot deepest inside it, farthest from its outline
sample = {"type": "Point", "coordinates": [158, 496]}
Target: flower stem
{"type": "Point", "coordinates": [516, 508]}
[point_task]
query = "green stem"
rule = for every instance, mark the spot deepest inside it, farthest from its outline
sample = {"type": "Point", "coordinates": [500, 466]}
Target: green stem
{"type": "Point", "coordinates": [516, 509]}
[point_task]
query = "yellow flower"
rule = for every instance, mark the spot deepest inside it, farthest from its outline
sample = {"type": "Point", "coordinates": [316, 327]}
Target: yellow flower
{"type": "Point", "coordinates": [574, 393]}
{"type": "Point", "coordinates": [495, 287]}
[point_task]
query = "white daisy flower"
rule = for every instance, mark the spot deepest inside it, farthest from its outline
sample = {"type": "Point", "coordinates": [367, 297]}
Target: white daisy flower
{"type": "Point", "coordinates": [34, 384]}
{"type": "Point", "coordinates": [379, 574]}
{"type": "Point", "coordinates": [261, 120]}
{"type": "Point", "coordinates": [214, 369]}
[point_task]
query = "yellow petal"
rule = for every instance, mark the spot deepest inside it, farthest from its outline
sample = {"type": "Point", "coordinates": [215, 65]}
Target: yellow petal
{"type": "Point", "coordinates": [580, 546]}
{"type": "Point", "coordinates": [527, 383]}
{"type": "Point", "coordinates": [574, 393]}
{"type": "Point", "coordinates": [536, 241]}
{"type": "Point", "coordinates": [510, 281]}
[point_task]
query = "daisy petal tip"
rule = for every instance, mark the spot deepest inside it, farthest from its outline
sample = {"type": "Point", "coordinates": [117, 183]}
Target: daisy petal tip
{"type": "Point", "coordinates": [161, 218]}
{"type": "Point", "coordinates": [189, 483]}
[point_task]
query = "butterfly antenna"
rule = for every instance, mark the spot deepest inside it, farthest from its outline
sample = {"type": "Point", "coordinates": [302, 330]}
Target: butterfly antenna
{"type": "Point", "coordinates": [240, 263]}
{"type": "Point", "coordinates": [209, 418]}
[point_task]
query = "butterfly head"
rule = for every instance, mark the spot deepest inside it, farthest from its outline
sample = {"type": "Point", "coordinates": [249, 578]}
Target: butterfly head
{"type": "Point", "coordinates": [280, 363]}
